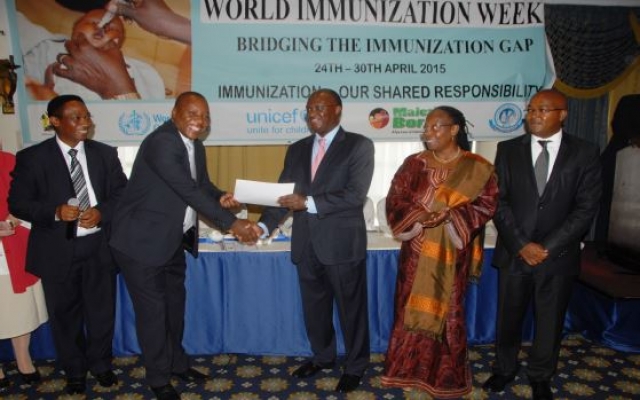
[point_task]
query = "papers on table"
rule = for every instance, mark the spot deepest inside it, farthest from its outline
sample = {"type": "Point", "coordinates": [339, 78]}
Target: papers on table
{"type": "Point", "coordinates": [261, 193]}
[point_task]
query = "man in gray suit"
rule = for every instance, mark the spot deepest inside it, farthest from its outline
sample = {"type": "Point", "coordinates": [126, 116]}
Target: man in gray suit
{"type": "Point", "coordinates": [332, 171]}
{"type": "Point", "coordinates": [154, 223]}
{"type": "Point", "coordinates": [546, 206]}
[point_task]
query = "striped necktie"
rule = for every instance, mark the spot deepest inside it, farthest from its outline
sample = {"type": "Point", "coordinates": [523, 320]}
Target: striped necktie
{"type": "Point", "coordinates": [79, 183]}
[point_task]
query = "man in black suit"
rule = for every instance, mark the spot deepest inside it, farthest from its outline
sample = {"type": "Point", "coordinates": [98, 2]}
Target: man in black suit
{"type": "Point", "coordinates": [155, 221]}
{"type": "Point", "coordinates": [68, 246]}
{"type": "Point", "coordinates": [329, 238]}
{"type": "Point", "coordinates": [545, 209]}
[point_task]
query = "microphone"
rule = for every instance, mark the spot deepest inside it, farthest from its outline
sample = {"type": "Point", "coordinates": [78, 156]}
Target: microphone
{"type": "Point", "coordinates": [72, 225]}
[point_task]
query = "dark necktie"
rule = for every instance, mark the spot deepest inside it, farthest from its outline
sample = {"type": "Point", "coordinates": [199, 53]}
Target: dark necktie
{"type": "Point", "coordinates": [541, 166]}
{"type": "Point", "coordinates": [79, 184]}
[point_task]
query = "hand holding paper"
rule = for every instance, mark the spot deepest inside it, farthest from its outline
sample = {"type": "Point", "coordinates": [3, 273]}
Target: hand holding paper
{"type": "Point", "coordinates": [228, 201]}
{"type": "Point", "coordinates": [293, 202]}
{"type": "Point", "coordinates": [262, 193]}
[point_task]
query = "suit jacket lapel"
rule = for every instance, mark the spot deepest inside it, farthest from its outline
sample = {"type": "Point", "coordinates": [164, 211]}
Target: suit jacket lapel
{"type": "Point", "coordinates": [58, 166]}
{"type": "Point", "coordinates": [177, 137]}
{"type": "Point", "coordinates": [563, 156]}
{"type": "Point", "coordinates": [308, 154]}
{"type": "Point", "coordinates": [95, 168]}
{"type": "Point", "coordinates": [525, 154]}
{"type": "Point", "coordinates": [199, 157]}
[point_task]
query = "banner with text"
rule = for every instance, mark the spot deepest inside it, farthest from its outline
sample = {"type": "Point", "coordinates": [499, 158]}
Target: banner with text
{"type": "Point", "coordinates": [257, 61]}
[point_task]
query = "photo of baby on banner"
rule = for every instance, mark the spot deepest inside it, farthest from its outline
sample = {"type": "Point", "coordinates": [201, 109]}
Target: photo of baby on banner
{"type": "Point", "coordinates": [105, 50]}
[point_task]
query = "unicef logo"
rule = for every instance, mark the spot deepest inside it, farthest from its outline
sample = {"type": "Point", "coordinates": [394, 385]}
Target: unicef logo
{"type": "Point", "coordinates": [507, 118]}
{"type": "Point", "coordinates": [134, 123]}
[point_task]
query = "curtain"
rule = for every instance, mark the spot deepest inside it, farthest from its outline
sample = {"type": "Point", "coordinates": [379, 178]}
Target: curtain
{"type": "Point", "coordinates": [588, 119]}
{"type": "Point", "coordinates": [595, 52]}
{"type": "Point", "coordinates": [593, 48]}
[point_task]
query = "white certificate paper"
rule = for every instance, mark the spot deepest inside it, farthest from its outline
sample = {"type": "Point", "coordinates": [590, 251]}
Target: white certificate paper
{"type": "Point", "coordinates": [262, 193]}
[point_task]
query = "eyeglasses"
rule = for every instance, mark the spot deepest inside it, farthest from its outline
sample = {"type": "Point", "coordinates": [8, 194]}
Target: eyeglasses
{"type": "Point", "coordinates": [543, 111]}
{"type": "Point", "coordinates": [436, 127]}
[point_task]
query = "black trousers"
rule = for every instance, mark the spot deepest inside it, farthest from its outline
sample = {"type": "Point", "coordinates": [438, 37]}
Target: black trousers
{"type": "Point", "coordinates": [81, 309]}
{"type": "Point", "coordinates": [550, 295]}
{"type": "Point", "coordinates": [346, 283]}
{"type": "Point", "coordinates": [158, 295]}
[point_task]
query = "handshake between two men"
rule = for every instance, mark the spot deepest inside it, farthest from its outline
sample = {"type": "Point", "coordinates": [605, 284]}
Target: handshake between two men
{"type": "Point", "coordinates": [248, 231]}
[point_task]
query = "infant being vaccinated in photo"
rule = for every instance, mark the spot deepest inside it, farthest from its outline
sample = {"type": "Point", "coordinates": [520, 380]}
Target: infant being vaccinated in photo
{"type": "Point", "coordinates": [103, 30]}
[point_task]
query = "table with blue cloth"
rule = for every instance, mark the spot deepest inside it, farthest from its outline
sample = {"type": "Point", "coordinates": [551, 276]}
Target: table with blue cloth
{"type": "Point", "coordinates": [246, 299]}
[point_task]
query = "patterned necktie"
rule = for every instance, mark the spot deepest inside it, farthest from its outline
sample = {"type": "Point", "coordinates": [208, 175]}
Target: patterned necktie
{"type": "Point", "coordinates": [79, 184]}
{"type": "Point", "coordinates": [318, 158]}
{"type": "Point", "coordinates": [541, 166]}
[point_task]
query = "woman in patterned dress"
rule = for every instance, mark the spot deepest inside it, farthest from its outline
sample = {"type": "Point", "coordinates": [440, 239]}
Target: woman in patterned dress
{"type": "Point", "coordinates": [439, 201]}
